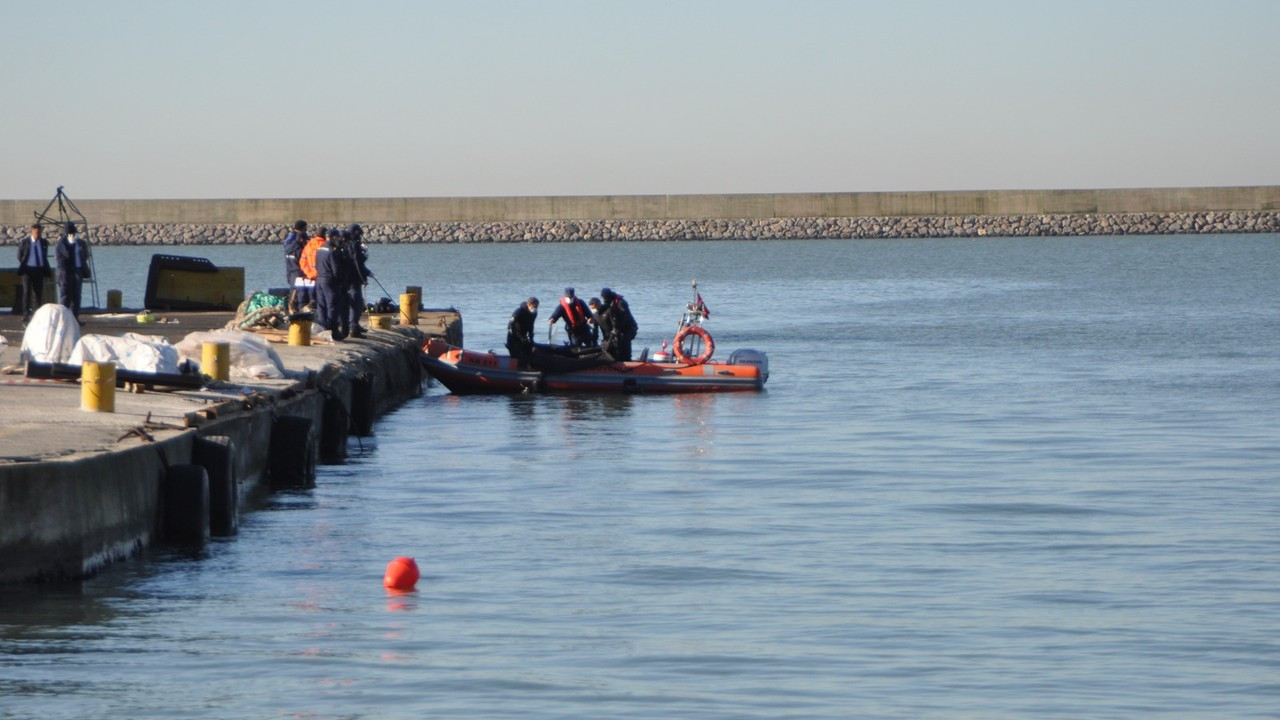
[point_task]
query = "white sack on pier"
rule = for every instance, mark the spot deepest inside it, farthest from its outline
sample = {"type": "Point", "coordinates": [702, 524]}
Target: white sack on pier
{"type": "Point", "coordinates": [51, 334]}
{"type": "Point", "coordinates": [142, 353]}
{"type": "Point", "coordinates": [252, 358]}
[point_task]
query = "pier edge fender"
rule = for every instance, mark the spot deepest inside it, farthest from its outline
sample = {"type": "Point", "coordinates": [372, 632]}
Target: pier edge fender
{"type": "Point", "coordinates": [186, 505]}
{"type": "Point", "coordinates": [293, 453]}
{"type": "Point", "coordinates": [216, 453]}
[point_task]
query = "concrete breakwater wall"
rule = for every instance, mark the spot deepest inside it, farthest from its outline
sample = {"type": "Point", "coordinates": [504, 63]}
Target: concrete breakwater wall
{"type": "Point", "coordinates": [435, 210]}
{"type": "Point", "coordinates": [706, 229]}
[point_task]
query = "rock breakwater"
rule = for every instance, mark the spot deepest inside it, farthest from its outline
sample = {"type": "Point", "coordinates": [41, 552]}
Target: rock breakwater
{"type": "Point", "coordinates": [795, 228]}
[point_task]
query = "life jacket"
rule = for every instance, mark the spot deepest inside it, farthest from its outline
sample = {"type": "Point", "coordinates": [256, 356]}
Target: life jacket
{"type": "Point", "coordinates": [307, 263]}
{"type": "Point", "coordinates": [572, 311]}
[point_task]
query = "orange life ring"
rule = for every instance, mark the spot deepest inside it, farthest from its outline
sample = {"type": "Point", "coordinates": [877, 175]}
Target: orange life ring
{"type": "Point", "coordinates": [708, 349]}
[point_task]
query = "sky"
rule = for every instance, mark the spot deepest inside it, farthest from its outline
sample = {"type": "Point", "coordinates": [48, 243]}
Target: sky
{"type": "Point", "coordinates": [320, 99]}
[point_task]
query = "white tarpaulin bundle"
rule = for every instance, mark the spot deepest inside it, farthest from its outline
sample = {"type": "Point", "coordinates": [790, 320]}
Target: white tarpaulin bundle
{"type": "Point", "coordinates": [51, 335]}
{"type": "Point", "coordinates": [143, 353]}
{"type": "Point", "coordinates": [251, 356]}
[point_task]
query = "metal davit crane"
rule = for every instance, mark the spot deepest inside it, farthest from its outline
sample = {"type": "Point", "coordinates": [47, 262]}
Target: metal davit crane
{"type": "Point", "coordinates": [65, 212]}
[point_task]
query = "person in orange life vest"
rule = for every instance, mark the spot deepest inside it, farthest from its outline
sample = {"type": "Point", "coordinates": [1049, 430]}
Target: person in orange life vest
{"type": "Point", "coordinates": [73, 269]}
{"type": "Point", "coordinates": [306, 282]}
{"type": "Point", "coordinates": [576, 316]}
{"type": "Point", "coordinates": [33, 267]}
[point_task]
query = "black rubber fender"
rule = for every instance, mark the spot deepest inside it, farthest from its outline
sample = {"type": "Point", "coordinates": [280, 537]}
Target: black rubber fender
{"type": "Point", "coordinates": [186, 505]}
{"type": "Point", "coordinates": [216, 453]}
{"type": "Point", "coordinates": [364, 406]}
{"type": "Point", "coordinates": [293, 453]}
{"type": "Point", "coordinates": [334, 424]}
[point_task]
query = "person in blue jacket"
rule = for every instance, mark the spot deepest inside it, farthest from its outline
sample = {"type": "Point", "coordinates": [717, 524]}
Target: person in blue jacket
{"type": "Point", "coordinates": [293, 244]}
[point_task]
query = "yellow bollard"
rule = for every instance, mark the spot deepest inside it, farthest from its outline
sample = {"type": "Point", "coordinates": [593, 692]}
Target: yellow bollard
{"type": "Point", "coordinates": [216, 360]}
{"type": "Point", "coordinates": [380, 322]}
{"type": "Point", "coordinates": [300, 332]}
{"type": "Point", "coordinates": [408, 309]}
{"type": "Point", "coordinates": [98, 387]}
{"type": "Point", "coordinates": [115, 300]}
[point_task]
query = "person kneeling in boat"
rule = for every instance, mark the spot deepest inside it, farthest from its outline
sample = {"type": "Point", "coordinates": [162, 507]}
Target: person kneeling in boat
{"type": "Point", "coordinates": [576, 316]}
{"type": "Point", "coordinates": [520, 329]}
{"type": "Point", "coordinates": [617, 324]}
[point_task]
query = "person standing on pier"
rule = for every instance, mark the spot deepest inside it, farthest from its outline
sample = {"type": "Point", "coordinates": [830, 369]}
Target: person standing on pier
{"type": "Point", "coordinates": [359, 254]}
{"type": "Point", "coordinates": [294, 242]}
{"type": "Point", "coordinates": [33, 266]}
{"type": "Point", "coordinates": [576, 316]}
{"type": "Point", "coordinates": [73, 269]}
{"type": "Point", "coordinates": [332, 273]}
{"type": "Point", "coordinates": [306, 282]}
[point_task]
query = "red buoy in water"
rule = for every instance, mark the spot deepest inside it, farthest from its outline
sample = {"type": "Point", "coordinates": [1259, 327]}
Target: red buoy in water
{"type": "Point", "coordinates": [402, 574]}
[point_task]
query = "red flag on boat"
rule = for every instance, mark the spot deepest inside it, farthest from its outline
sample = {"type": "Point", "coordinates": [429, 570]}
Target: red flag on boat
{"type": "Point", "coordinates": [706, 311]}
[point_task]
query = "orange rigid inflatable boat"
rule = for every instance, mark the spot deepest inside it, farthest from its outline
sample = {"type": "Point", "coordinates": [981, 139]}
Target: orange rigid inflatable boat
{"type": "Point", "coordinates": [688, 369]}
{"type": "Point", "coordinates": [467, 372]}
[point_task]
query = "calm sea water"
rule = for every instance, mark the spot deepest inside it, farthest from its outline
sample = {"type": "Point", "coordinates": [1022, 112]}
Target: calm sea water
{"type": "Point", "coordinates": [992, 478]}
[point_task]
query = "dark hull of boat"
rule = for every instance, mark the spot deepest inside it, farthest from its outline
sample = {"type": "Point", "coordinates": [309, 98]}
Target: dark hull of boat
{"type": "Point", "coordinates": [465, 372]}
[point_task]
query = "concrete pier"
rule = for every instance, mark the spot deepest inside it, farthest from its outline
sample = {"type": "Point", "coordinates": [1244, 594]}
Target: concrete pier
{"type": "Point", "coordinates": [80, 489]}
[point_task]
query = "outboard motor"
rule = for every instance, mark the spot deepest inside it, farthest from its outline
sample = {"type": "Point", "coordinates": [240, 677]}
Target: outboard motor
{"type": "Point", "coordinates": [748, 356]}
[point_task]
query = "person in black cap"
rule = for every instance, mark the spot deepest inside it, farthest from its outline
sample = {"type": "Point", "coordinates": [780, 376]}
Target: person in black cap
{"type": "Point", "coordinates": [73, 269]}
{"type": "Point", "coordinates": [33, 267]}
{"type": "Point", "coordinates": [293, 244]}
{"type": "Point", "coordinates": [520, 329]}
{"type": "Point", "coordinates": [576, 316]}
{"type": "Point", "coordinates": [617, 324]}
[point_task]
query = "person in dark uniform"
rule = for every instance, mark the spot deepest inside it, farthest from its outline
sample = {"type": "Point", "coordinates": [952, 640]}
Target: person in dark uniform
{"type": "Point", "coordinates": [617, 324]}
{"type": "Point", "coordinates": [520, 329]}
{"type": "Point", "coordinates": [359, 254]}
{"type": "Point", "coordinates": [33, 267]}
{"type": "Point", "coordinates": [576, 316]}
{"type": "Point", "coordinates": [332, 271]}
{"type": "Point", "coordinates": [73, 269]}
{"type": "Point", "coordinates": [596, 309]}
{"type": "Point", "coordinates": [293, 244]}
